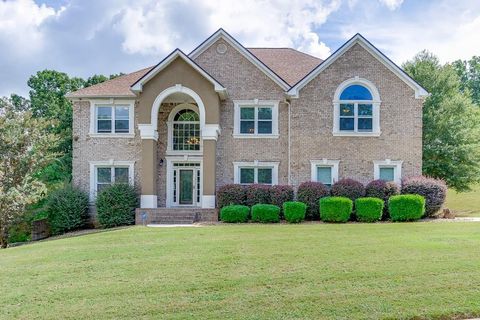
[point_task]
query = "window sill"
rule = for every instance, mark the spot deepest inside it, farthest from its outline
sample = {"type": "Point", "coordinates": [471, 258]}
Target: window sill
{"type": "Point", "coordinates": [181, 153]}
{"type": "Point", "coordinates": [112, 135]}
{"type": "Point", "coordinates": [255, 136]}
{"type": "Point", "coordinates": [356, 134]}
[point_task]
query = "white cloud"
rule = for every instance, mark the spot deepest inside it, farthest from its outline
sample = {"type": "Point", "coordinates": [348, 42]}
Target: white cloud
{"type": "Point", "coordinates": [392, 4]}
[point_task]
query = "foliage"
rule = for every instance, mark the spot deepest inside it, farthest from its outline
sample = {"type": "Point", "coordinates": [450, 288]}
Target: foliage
{"type": "Point", "coordinates": [257, 193]}
{"type": "Point", "coordinates": [335, 209]}
{"type": "Point", "coordinates": [369, 209]}
{"type": "Point", "coordinates": [469, 74]}
{"type": "Point", "coordinates": [383, 190]}
{"type": "Point", "coordinates": [265, 213]}
{"type": "Point", "coordinates": [25, 145]}
{"type": "Point", "coordinates": [294, 211]}
{"type": "Point", "coordinates": [67, 210]}
{"type": "Point", "coordinates": [234, 213]}
{"type": "Point", "coordinates": [280, 194]}
{"type": "Point", "coordinates": [310, 193]}
{"type": "Point", "coordinates": [230, 194]}
{"type": "Point", "coordinates": [116, 205]}
{"type": "Point", "coordinates": [433, 190]}
{"type": "Point", "coordinates": [406, 207]}
{"type": "Point", "coordinates": [348, 188]}
{"type": "Point", "coordinates": [451, 134]}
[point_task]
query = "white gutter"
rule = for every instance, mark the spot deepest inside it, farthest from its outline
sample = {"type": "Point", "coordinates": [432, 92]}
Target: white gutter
{"type": "Point", "coordinates": [289, 143]}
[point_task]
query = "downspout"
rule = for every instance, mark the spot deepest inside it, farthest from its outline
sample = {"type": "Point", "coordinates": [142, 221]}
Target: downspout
{"type": "Point", "coordinates": [289, 143]}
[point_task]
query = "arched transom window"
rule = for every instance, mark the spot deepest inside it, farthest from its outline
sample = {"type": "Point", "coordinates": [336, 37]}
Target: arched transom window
{"type": "Point", "coordinates": [186, 131]}
{"type": "Point", "coordinates": [357, 109]}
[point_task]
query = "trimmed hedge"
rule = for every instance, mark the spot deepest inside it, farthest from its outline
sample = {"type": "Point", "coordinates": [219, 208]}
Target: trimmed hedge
{"type": "Point", "coordinates": [348, 188]}
{"type": "Point", "coordinates": [67, 210]}
{"type": "Point", "coordinates": [280, 194]}
{"type": "Point", "coordinates": [230, 194]}
{"type": "Point", "coordinates": [310, 193]}
{"type": "Point", "coordinates": [369, 209]}
{"type": "Point", "coordinates": [257, 193]}
{"type": "Point", "coordinates": [265, 213]}
{"type": "Point", "coordinates": [116, 205]}
{"type": "Point", "coordinates": [335, 209]}
{"type": "Point", "coordinates": [294, 211]}
{"type": "Point", "coordinates": [234, 213]}
{"type": "Point", "coordinates": [406, 207]}
{"type": "Point", "coordinates": [384, 190]}
{"type": "Point", "coordinates": [433, 190]}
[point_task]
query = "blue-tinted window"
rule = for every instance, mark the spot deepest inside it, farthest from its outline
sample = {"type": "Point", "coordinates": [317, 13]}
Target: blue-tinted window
{"type": "Point", "coordinates": [356, 92]}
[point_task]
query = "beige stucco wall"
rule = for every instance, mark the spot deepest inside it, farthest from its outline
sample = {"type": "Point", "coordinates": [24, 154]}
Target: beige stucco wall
{"type": "Point", "coordinates": [312, 122]}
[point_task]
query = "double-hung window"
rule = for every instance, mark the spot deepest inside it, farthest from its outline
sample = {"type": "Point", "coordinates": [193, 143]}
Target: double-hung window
{"type": "Point", "coordinates": [324, 171]}
{"type": "Point", "coordinates": [111, 119]}
{"type": "Point", "coordinates": [388, 170]}
{"type": "Point", "coordinates": [256, 172]}
{"type": "Point", "coordinates": [104, 173]}
{"type": "Point", "coordinates": [256, 119]}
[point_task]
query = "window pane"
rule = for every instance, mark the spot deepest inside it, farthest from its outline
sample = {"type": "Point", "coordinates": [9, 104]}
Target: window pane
{"type": "Point", "coordinates": [356, 92]}
{"type": "Point", "coordinates": [347, 109]}
{"type": "Point", "coordinates": [101, 186]}
{"type": "Point", "coordinates": [121, 175]}
{"type": "Point", "coordinates": [347, 124]}
{"type": "Point", "coordinates": [121, 126]}
{"type": "Point", "coordinates": [186, 136]}
{"type": "Point", "coordinates": [121, 113]}
{"type": "Point", "coordinates": [247, 127]}
{"type": "Point", "coordinates": [264, 127]}
{"type": "Point", "coordinates": [265, 175]}
{"type": "Point", "coordinates": [364, 124]}
{"type": "Point", "coordinates": [324, 175]}
{"type": "Point", "coordinates": [387, 174]}
{"type": "Point", "coordinates": [365, 110]}
{"type": "Point", "coordinates": [104, 126]}
{"type": "Point", "coordinates": [247, 113]}
{"type": "Point", "coordinates": [104, 175]}
{"type": "Point", "coordinates": [247, 175]}
{"type": "Point", "coordinates": [186, 115]}
{"type": "Point", "coordinates": [104, 113]}
{"type": "Point", "coordinates": [265, 113]}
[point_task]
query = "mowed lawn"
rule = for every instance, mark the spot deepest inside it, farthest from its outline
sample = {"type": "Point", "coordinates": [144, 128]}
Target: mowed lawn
{"type": "Point", "coordinates": [251, 271]}
{"type": "Point", "coordinates": [464, 204]}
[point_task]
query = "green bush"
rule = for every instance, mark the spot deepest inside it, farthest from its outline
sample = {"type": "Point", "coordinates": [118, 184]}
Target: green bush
{"type": "Point", "coordinates": [234, 213]}
{"type": "Point", "coordinates": [335, 209]}
{"type": "Point", "coordinates": [294, 211]}
{"type": "Point", "coordinates": [369, 209]}
{"type": "Point", "coordinates": [116, 205]}
{"type": "Point", "coordinates": [67, 210]}
{"type": "Point", "coordinates": [265, 213]}
{"type": "Point", "coordinates": [407, 207]}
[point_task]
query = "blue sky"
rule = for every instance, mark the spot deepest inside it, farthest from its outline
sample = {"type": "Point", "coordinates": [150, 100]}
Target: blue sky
{"type": "Point", "coordinates": [86, 37]}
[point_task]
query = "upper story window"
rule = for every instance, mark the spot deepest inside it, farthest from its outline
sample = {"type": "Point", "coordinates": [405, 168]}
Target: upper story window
{"type": "Point", "coordinates": [256, 119]}
{"type": "Point", "coordinates": [356, 109]}
{"type": "Point", "coordinates": [184, 130]}
{"type": "Point", "coordinates": [111, 119]}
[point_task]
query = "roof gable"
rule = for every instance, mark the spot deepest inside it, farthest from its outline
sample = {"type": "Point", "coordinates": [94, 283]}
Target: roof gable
{"type": "Point", "coordinates": [420, 92]}
{"type": "Point", "coordinates": [222, 34]}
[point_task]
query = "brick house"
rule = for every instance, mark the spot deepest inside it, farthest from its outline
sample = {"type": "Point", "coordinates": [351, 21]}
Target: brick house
{"type": "Point", "coordinates": [227, 114]}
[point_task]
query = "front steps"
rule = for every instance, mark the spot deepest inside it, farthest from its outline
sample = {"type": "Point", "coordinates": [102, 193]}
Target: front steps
{"type": "Point", "coordinates": [174, 215]}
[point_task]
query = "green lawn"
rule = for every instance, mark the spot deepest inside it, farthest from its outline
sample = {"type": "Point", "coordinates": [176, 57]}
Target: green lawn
{"type": "Point", "coordinates": [465, 204]}
{"type": "Point", "coordinates": [316, 271]}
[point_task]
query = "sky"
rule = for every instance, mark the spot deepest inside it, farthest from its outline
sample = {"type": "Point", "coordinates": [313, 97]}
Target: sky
{"type": "Point", "coordinates": [86, 37]}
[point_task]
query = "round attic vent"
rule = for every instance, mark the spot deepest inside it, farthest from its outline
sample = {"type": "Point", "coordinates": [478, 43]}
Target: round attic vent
{"type": "Point", "coordinates": [221, 48]}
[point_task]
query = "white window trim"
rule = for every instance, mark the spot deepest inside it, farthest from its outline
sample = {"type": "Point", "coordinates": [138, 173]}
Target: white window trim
{"type": "Point", "coordinates": [255, 164]}
{"type": "Point", "coordinates": [324, 163]}
{"type": "Point", "coordinates": [376, 102]}
{"type": "Point", "coordinates": [256, 104]}
{"type": "Point", "coordinates": [387, 163]}
{"type": "Point", "coordinates": [112, 102]}
{"type": "Point", "coordinates": [108, 164]}
{"type": "Point", "coordinates": [171, 116]}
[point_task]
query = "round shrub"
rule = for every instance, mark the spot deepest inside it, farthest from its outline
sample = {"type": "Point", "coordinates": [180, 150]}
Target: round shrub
{"type": "Point", "coordinates": [384, 190]}
{"type": "Point", "coordinates": [310, 193]}
{"type": "Point", "coordinates": [230, 194]}
{"type": "Point", "coordinates": [265, 213]}
{"type": "Point", "coordinates": [433, 190]}
{"type": "Point", "coordinates": [67, 210]}
{"type": "Point", "coordinates": [369, 209]}
{"type": "Point", "coordinates": [257, 193]}
{"type": "Point", "coordinates": [335, 209]}
{"type": "Point", "coordinates": [234, 213]}
{"type": "Point", "coordinates": [406, 207]}
{"type": "Point", "coordinates": [294, 211]}
{"type": "Point", "coordinates": [280, 194]}
{"type": "Point", "coordinates": [348, 188]}
{"type": "Point", "coordinates": [116, 205]}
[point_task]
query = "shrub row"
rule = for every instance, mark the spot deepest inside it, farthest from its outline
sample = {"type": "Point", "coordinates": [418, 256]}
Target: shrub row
{"type": "Point", "coordinates": [265, 213]}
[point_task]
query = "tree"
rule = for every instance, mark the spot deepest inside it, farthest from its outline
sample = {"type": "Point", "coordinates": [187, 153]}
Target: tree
{"type": "Point", "coordinates": [25, 144]}
{"type": "Point", "coordinates": [99, 78]}
{"type": "Point", "coordinates": [469, 74]}
{"type": "Point", "coordinates": [451, 124]}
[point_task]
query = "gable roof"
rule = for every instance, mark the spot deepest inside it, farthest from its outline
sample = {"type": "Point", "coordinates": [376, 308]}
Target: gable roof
{"type": "Point", "coordinates": [222, 34]}
{"type": "Point", "coordinates": [177, 53]}
{"type": "Point", "coordinates": [290, 64]}
{"type": "Point", "coordinates": [420, 92]}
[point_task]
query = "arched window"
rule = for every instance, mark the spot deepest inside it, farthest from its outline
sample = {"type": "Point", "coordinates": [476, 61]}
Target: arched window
{"type": "Point", "coordinates": [186, 131]}
{"type": "Point", "coordinates": [357, 108]}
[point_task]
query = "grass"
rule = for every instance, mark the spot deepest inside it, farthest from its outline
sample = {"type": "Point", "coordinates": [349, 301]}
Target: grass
{"type": "Point", "coordinates": [250, 271]}
{"type": "Point", "coordinates": [465, 204]}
